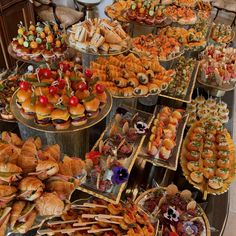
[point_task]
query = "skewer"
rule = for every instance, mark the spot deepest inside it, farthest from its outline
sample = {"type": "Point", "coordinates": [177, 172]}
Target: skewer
{"type": "Point", "coordinates": [61, 222]}
{"type": "Point", "coordinates": [94, 205]}
{"type": "Point", "coordinates": [85, 223]}
{"type": "Point", "coordinates": [101, 216]}
{"type": "Point", "coordinates": [98, 230]}
{"type": "Point", "coordinates": [63, 231]}
{"type": "Point", "coordinates": [106, 221]}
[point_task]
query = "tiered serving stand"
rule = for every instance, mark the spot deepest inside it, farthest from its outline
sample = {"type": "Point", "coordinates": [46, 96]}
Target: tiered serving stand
{"type": "Point", "coordinates": [76, 141]}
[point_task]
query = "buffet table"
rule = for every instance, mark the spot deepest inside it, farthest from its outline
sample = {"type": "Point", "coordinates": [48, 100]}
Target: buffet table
{"type": "Point", "coordinates": [124, 126]}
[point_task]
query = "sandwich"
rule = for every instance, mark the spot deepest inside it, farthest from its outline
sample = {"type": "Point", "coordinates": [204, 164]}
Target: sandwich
{"type": "Point", "coordinates": [20, 214]}
{"type": "Point", "coordinates": [77, 115]}
{"type": "Point", "coordinates": [22, 96]}
{"type": "Point", "coordinates": [119, 30]}
{"type": "Point", "coordinates": [45, 169]}
{"type": "Point", "coordinates": [105, 25]}
{"type": "Point", "coordinates": [112, 37]}
{"type": "Point", "coordinates": [81, 34]}
{"type": "Point", "coordinates": [104, 47]}
{"type": "Point", "coordinates": [91, 105]}
{"type": "Point", "coordinates": [51, 152]}
{"type": "Point", "coordinates": [71, 166]}
{"type": "Point", "coordinates": [60, 118]}
{"type": "Point", "coordinates": [4, 218]}
{"type": "Point", "coordinates": [82, 46]}
{"type": "Point", "coordinates": [97, 40]}
{"type": "Point", "coordinates": [12, 138]}
{"type": "Point", "coordinates": [49, 204]}
{"type": "Point", "coordinates": [43, 113]}
{"type": "Point", "coordinates": [61, 186]}
{"type": "Point", "coordinates": [28, 109]}
{"type": "Point", "coordinates": [7, 194]}
{"type": "Point", "coordinates": [9, 172]}
{"type": "Point", "coordinates": [8, 153]}
{"type": "Point", "coordinates": [31, 188]}
{"type": "Point", "coordinates": [115, 48]}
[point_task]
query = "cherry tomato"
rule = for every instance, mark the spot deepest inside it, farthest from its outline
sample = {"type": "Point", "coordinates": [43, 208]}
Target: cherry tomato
{"type": "Point", "coordinates": [73, 101]}
{"type": "Point", "coordinates": [64, 66]}
{"type": "Point", "coordinates": [99, 88]}
{"type": "Point", "coordinates": [82, 86]}
{"type": "Point", "coordinates": [61, 83]}
{"type": "Point", "coordinates": [88, 73]}
{"type": "Point", "coordinates": [47, 73]}
{"type": "Point", "coordinates": [53, 90]}
{"type": "Point", "coordinates": [24, 85]}
{"type": "Point", "coordinates": [94, 156]}
{"type": "Point", "coordinates": [43, 100]}
{"type": "Point", "coordinates": [44, 72]}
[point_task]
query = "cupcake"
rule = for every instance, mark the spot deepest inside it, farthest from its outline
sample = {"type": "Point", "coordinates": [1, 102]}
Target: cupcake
{"type": "Point", "coordinates": [224, 111]}
{"type": "Point", "coordinates": [211, 102]}
{"type": "Point", "coordinates": [200, 99]}
{"type": "Point", "coordinates": [202, 107]}
{"type": "Point", "coordinates": [202, 114]}
{"type": "Point", "coordinates": [222, 105]}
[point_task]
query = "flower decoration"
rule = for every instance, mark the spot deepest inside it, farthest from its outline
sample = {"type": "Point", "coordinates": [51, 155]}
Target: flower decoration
{"type": "Point", "coordinates": [190, 228]}
{"type": "Point", "coordinates": [141, 127]}
{"type": "Point", "coordinates": [172, 214]}
{"type": "Point", "coordinates": [94, 156]}
{"type": "Point", "coordinates": [120, 175]}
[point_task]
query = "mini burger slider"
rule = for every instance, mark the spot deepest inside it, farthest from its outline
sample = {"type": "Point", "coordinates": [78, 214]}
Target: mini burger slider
{"type": "Point", "coordinates": [22, 216]}
{"type": "Point", "coordinates": [60, 118]}
{"type": "Point", "coordinates": [9, 172]}
{"type": "Point", "coordinates": [28, 109]}
{"type": "Point", "coordinates": [43, 113]}
{"type": "Point", "coordinates": [31, 188]}
{"type": "Point", "coordinates": [7, 194]}
{"type": "Point", "coordinates": [45, 169]}
{"type": "Point", "coordinates": [22, 96]}
{"type": "Point", "coordinates": [91, 105]}
{"type": "Point", "coordinates": [77, 115]}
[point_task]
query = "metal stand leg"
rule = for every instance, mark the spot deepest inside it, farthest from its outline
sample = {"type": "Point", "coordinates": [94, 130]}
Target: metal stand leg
{"type": "Point", "coordinates": [216, 13]}
{"type": "Point", "coordinates": [234, 21]}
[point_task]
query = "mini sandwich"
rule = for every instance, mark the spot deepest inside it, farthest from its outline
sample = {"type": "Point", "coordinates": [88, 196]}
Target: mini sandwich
{"type": "Point", "coordinates": [22, 96]}
{"type": "Point", "coordinates": [28, 109]}
{"type": "Point", "coordinates": [77, 115]}
{"type": "Point", "coordinates": [82, 46]}
{"type": "Point", "coordinates": [45, 169]}
{"type": "Point", "coordinates": [7, 194]}
{"type": "Point", "coordinates": [43, 114]}
{"type": "Point", "coordinates": [106, 26]}
{"type": "Point", "coordinates": [119, 30]}
{"type": "Point", "coordinates": [112, 37]}
{"type": "Point", "coordinates": [4, 218]}
{"type": "Point", "coordinates": [9, 172]}
{"type": "Point", "coordinates": [22, 216]}
{"type": "Point", "coordinates": [49, 204]}
{"type": "Point", "coordinates": [81, 34]}
{"type": "Point", "coordinates": [97, 40]}
{"type": "Point", "coordinates": [60, 118]}
{"type": "Point", "coordinates": [62, 187]}
{"type": "Point", "coordinates": [31, 188]}
{"type": "Point", "coordinates": [92, 106]}
{"type": "Point", "coordinates": [104, 47]}
{"type": "Point", "coordinates": [115, 48]}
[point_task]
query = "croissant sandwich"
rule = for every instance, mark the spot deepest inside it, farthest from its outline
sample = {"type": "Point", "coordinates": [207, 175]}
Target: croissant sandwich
{"type": "Point", "coordinates": [45, 169]}
{"type": "Point", "coordinates": [4, 218]}
{"type": "Point", "coordinates": [22, 216]}
{"type": "Point", "coordinates": [7, 194]}
{"type": "Point", "coordinates": [9, 172]}
{"type": "Point", "coordinates": [31, 188]}
{"type": "Point", "coordinates": [49, 204]}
